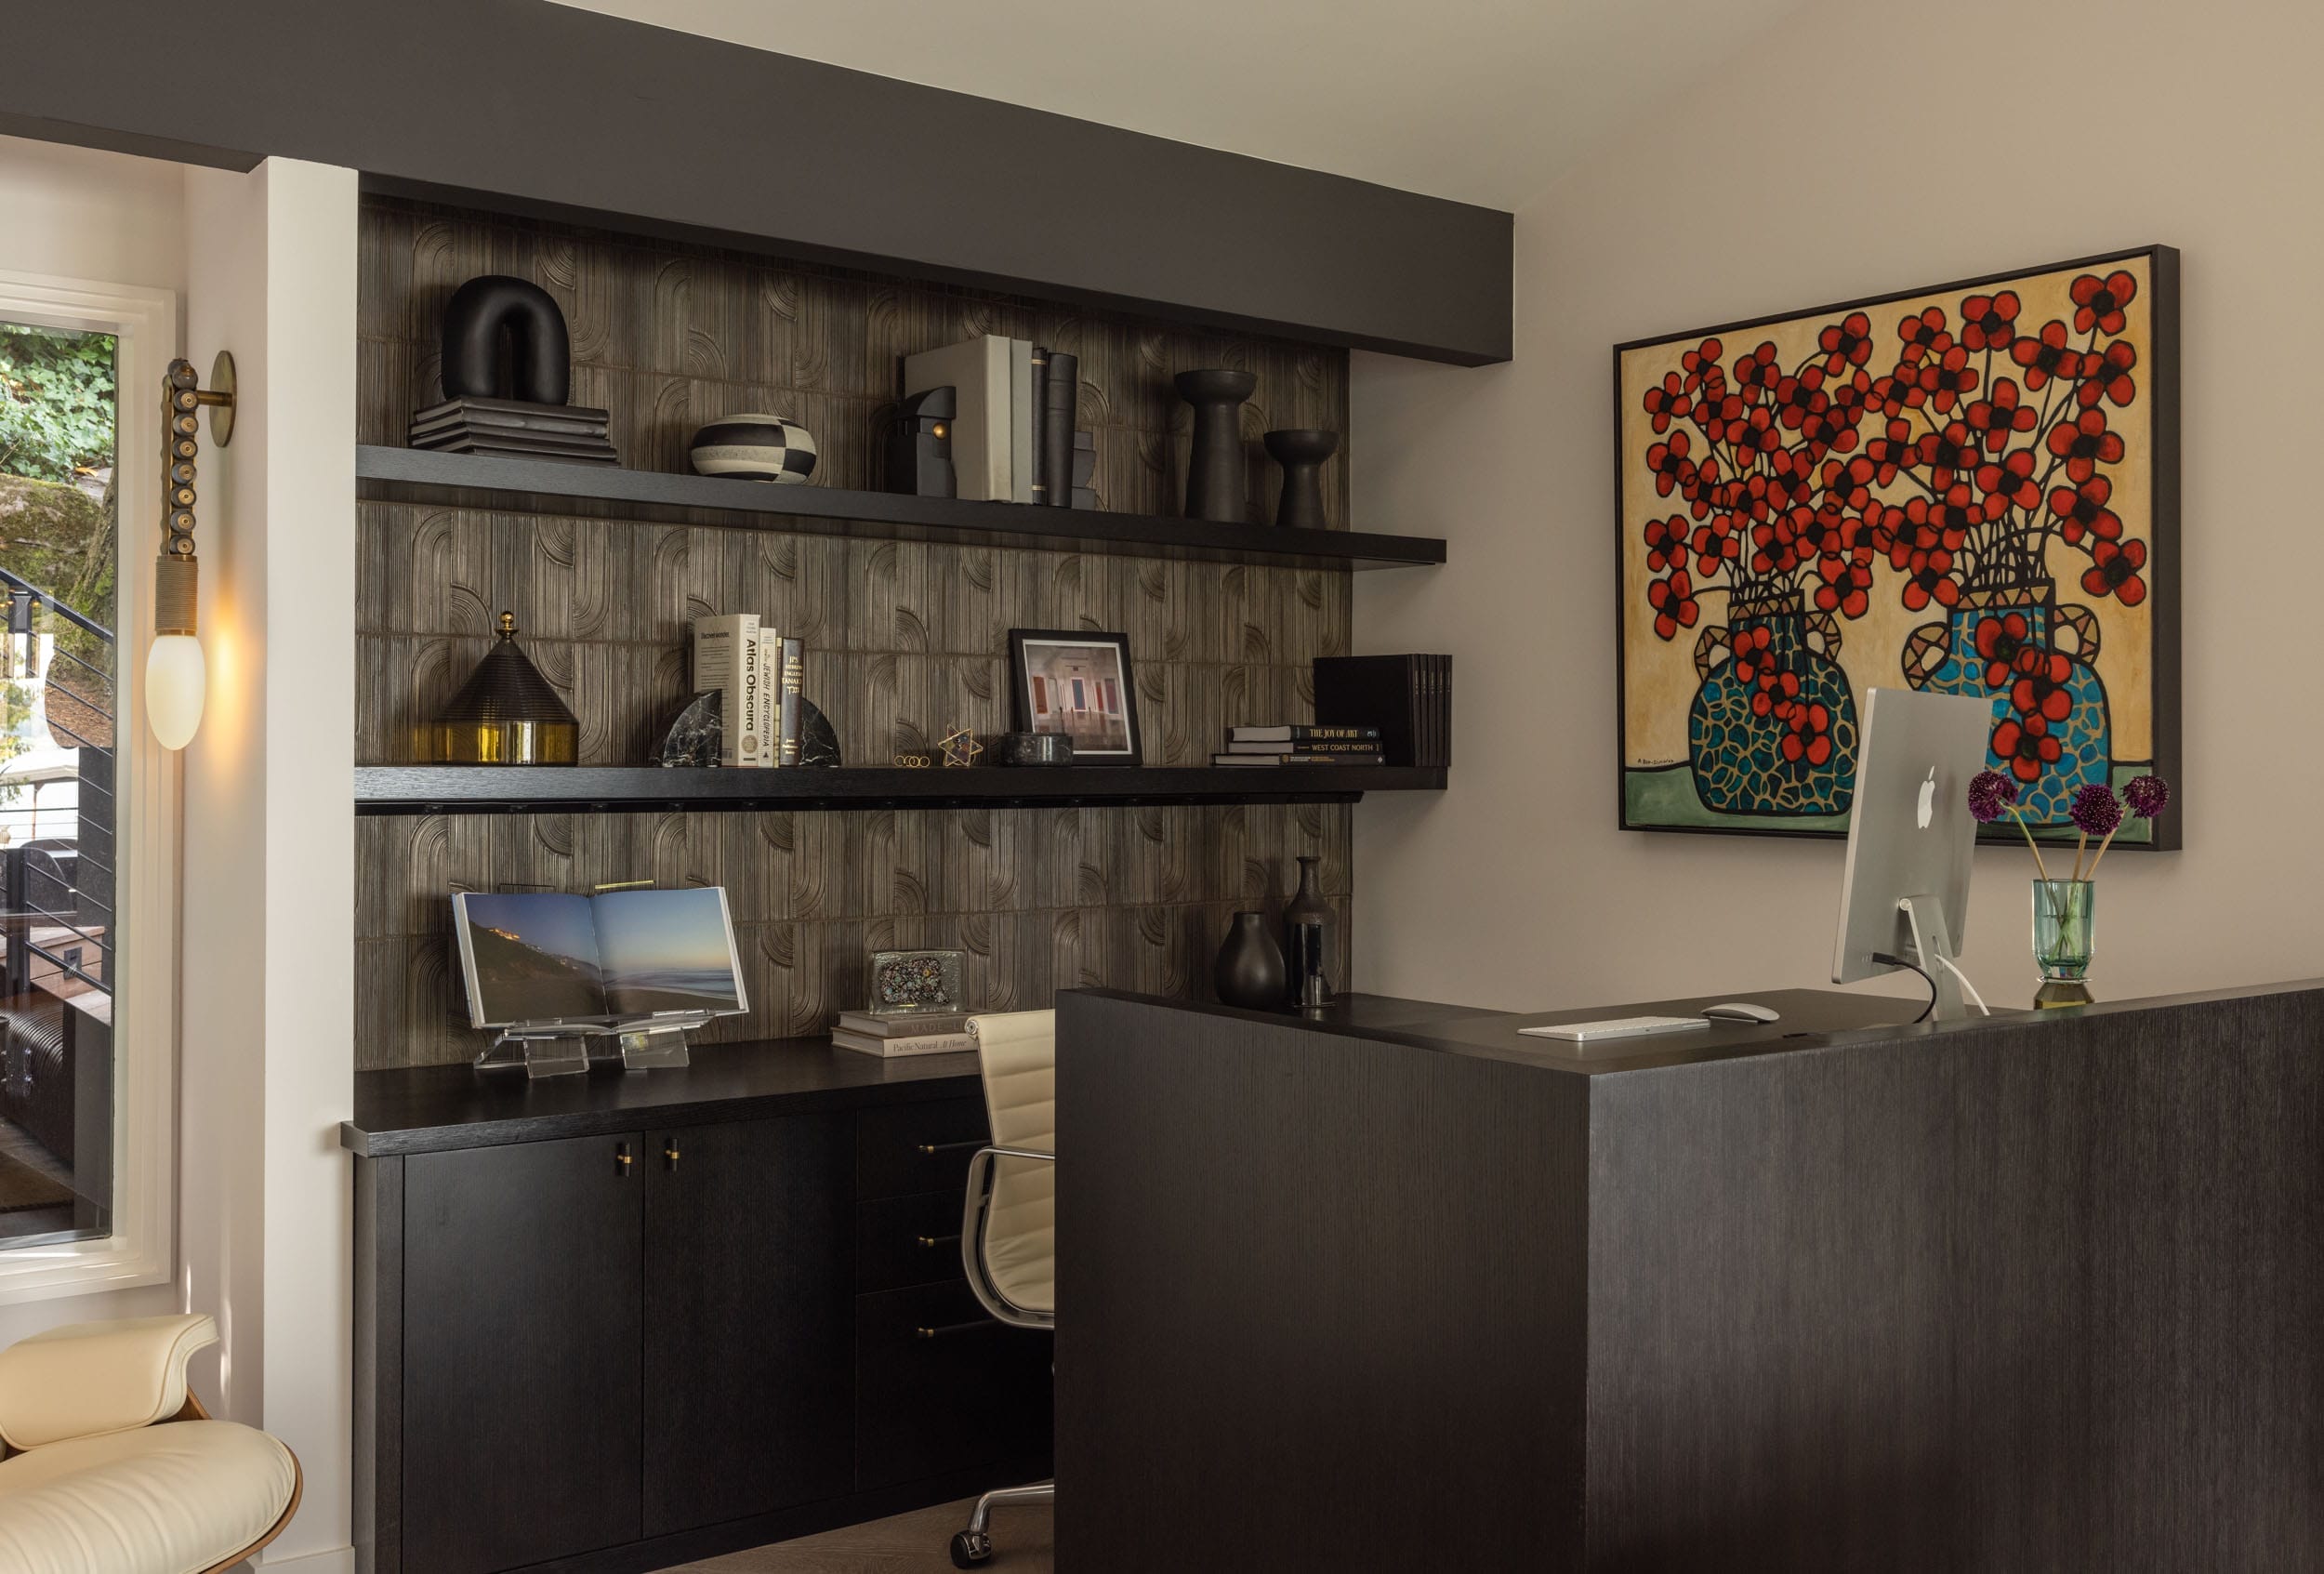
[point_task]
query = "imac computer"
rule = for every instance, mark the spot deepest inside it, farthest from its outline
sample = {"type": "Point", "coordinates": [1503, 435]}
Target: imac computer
{"type": "Point", "coordinates": [1905, 900]}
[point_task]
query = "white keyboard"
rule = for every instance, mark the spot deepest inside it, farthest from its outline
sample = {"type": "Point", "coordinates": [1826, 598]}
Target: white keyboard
{"type": "Point", "coordinates": [1617, 1027]}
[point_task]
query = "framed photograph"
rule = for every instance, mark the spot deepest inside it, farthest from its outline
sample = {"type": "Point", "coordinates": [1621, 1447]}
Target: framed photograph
{"type": "Point", "coordinates": [1969, 488]}
{"type": "Point", "coordinates": [1078, 685]}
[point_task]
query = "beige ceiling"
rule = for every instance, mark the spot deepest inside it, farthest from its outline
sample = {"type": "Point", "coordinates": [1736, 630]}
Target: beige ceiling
{"type": "Point", "coordinates": [1482, 101]}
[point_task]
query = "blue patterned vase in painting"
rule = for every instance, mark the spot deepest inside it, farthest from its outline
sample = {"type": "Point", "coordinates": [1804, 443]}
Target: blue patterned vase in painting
{"type": "Point", "coordinates": [1772, 729]}
{"type": "Point", "coordinates": [2017, 644]}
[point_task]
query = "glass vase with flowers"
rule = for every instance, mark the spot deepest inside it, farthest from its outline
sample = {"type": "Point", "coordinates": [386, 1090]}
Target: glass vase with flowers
{"type": "Point", "coordinates": [2063, 910]}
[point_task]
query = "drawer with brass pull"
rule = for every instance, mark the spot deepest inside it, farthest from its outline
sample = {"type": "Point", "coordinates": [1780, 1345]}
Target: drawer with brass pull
{"type": "Point", "coordinates": [908, 1148]}
{"type": "Point", "coordinates": [907, 1240]}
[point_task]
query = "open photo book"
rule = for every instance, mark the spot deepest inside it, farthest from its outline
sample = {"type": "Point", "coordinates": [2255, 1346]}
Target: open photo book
{"type": "Point", "coordinates": [620, 956]}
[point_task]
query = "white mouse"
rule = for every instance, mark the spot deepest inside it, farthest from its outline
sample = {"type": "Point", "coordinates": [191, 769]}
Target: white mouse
{"type": "Point", "coordinates": [1740, 1010]}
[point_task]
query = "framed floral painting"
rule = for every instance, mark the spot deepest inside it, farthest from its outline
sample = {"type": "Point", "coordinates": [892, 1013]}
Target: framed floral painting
{"type": "Point", "coordinates": [1971, 488]}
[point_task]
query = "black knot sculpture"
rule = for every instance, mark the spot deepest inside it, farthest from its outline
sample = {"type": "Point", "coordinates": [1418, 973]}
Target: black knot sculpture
{"type": "Point", "coordinates": [508, 371]}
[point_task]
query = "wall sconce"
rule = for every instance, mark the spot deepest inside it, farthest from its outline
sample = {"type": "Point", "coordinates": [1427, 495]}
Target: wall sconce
{"type": "Point", "coordinates": [175, 675]}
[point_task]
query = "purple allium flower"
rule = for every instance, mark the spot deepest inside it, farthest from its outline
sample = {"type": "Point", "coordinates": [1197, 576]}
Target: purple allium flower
{"type": "Point", "coordinates": [1989, 793]}
{"type": "Point", "coordinates": [2148, 795]}
{"type": "Point", "coordinates": [2096, 811]}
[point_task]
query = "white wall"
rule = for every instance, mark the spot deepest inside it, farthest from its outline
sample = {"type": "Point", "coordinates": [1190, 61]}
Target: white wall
{"type": "Point", "coordinates": [270, 855]}
{"type": "Point", "coordinates": [1939, 142]}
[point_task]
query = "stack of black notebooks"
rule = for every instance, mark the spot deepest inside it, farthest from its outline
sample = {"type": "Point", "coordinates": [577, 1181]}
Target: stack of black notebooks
{"type": "Point", "coordinates": [1407, 697]}
{"type": "Point", "coordinates": [515, 429]}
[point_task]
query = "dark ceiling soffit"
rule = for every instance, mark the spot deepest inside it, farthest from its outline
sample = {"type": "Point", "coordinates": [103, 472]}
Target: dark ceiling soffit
{"type": "Point", "coordinates": [527, 106]}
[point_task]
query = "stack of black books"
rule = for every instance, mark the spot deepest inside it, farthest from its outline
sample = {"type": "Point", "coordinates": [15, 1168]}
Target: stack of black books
{"type": "Point", "coordinates": [1298, 744]}
{"type": "Point", "coordinates": [1408, 698]}
{"type": "Point", "coordinates": [515, 429]}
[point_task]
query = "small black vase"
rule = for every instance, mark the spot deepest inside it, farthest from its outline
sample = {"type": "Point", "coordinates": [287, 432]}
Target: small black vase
{"type": "Point", "coordinates": [1214, 470]}
{"type": "Point", "coordinates": [1302, 453]}
{"type": "Point", "coordinates": [1250, 970]}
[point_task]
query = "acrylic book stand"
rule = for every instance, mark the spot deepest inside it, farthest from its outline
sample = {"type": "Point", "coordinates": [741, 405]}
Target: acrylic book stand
{"type": "Point", "coordinates": [561, 1049]}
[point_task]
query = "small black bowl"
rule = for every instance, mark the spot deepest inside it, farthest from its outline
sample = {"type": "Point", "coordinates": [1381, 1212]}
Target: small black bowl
{"type": "Point", "coordinates": [1033, 749]}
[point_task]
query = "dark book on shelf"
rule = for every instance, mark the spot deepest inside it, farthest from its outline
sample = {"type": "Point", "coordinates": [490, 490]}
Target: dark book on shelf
{"type": "Point", "coordinates": [1058, 396]}
{"type": "Point", "coordinates": [1342, 746]}
{"type": "Point", "coordinates": [508, 447]}
{"type": "Point", "coordinates": [790, 718]}
{"type": "Point", "coordinates": [1368, 758]}
{"type": "Point", "coordinates": [517, 411]}
{"type": "Point", "coordinates": [1042, 484]}
{"type": "Point", "coordinates": [1407, 697]}
{"type": "Point", "coordinates": [1297, 733]}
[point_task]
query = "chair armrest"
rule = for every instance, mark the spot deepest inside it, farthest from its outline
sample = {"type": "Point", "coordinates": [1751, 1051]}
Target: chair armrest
{"type": "Point", "coordinates": [85, 1379]}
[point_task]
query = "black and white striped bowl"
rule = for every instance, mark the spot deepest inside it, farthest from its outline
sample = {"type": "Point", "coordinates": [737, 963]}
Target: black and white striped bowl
{"type": "Point", "coordinates": [755, 447]}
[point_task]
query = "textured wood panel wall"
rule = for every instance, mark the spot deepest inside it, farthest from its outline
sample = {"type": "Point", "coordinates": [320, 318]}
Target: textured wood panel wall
{"type": "Point", "coordinates": [904, 640]}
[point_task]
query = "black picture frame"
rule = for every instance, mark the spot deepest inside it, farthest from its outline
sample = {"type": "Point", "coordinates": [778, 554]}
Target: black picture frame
{"type": "Point", "coordinates": [2162, 377]}
{"type": "Point", "coordinates": [1029, 707]}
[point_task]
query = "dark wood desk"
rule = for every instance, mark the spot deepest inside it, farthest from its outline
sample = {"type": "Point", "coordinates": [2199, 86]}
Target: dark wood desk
{"type": "Point", "coordinates": [1398, 1290]}
{"type": "Point", "coordinates": [613, 1323]}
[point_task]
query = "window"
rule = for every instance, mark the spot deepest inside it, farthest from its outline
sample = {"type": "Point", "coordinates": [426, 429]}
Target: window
{"type": "Point", "coordinates": [88, 934]}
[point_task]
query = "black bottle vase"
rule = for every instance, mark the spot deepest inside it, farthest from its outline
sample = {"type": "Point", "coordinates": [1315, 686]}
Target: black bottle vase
{"type": "Point", "coordinates": [1302, 453]}
{"type": "Point", "coordinates": [1214, 470]}
{"type": "Point", "coordinates": [1307, 906]}
{"type": "Point", "coordinates": [1250, 970]}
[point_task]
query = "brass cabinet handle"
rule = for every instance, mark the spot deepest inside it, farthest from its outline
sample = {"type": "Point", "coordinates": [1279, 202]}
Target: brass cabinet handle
{"type": "Point", "coordinates": [621, 1157]}
{"type": "Point", "coordinates": [669, 1156]}
{"type": "Point", "coordinates": [932, 1242]}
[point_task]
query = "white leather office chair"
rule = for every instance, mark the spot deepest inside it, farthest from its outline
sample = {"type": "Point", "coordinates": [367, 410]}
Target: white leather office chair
{"type": "Point", "coordinates": [112, 1467]}
{"type": "Point", "coordinates": [1009, 1228]}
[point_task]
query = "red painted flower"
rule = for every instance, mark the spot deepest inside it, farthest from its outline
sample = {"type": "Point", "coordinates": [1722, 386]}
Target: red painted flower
{"type": "Point", "coordinates": [2108, 375]}
{"type": "Point", "coordinates": [2041, 689]}
{"type": "Point", "coordinates": [1947, 378]}
{"type": "Point", "coordinates": [2086, 444]}
{"type": "Point", "coordinates": [2001, 641]}
{"type": "Point", "coordinates": [1947, 519]}
{"type": "Point", "coordinates": [1995, 419]}
{"type": "Point", "coordinates": [1716, 545]}
{"type": "Point", "coordinates": [2011, 483]}
{"type": "Point", "coordinates": [1778, 692]}
{"type": "Point", "coordinates": [1847, 342]}
{"type": "Point", "coordinates": [1923, 337]}
{"type": "Point", "coordinates": [2046, 356]}
{"type": "Point", "coordinates": [2025, 742]}
{"type": "Point", "coordinates": [1715, 415]}
{"type": "Point", "coordinates": [1929, 577]}
{"type": "Point", "coordinates": [1757, 374]}
{"type": "Point", "coordinates": [1667, 401]}
{"type": "Point", "coordinates": [1750, 650]}
{"type": "Point", "coordinates": [1989, 322]}
{"type": "Point", "coordinates": [1807, 734]}
{"type": "Point", "coordinates": [1669, 461]}
{"type": "Point", "coordinates": [1892, 396]}
{"type": "Point", "coordinates": [1801, 397]}
{"type": "Point", "coordinates": [2082, 511]}
{"type": "Point", "coordinates": [1701, 365]}
{"type": "Point", "coordinates": [2099, 302]}
{"type": "Point", "coordinates": [1666, 543]}
{"type": "Point", "coordinates": [1947, 451]}
{"type": "Point", "coordinates": [1846, 586]}
{"type": "Point", "coordinates": [2113, 571]}
{"type": "Point", "coordinates": [1674, 604]}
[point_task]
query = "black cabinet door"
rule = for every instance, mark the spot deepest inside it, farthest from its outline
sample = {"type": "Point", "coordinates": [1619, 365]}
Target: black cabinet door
{"type": "Point", "coordinates": [940, 1387]}
{"type": "Point", "coordinates": [520, 1359]}
{"type": "Point", "coordinates": [749, 1343]}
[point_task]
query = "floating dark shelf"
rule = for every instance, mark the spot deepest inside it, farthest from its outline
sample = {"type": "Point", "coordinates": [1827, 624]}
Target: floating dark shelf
{"type": "Point", "coordinates": [418, 475]}
{"type": "Point", "coordinates": [424, 789]}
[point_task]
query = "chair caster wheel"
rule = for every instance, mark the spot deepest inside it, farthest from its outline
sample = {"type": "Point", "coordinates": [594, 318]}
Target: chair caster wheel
{"type": "Point", "coordinates": [972, 1548]}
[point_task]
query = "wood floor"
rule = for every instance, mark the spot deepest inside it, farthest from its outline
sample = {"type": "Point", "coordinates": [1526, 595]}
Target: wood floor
{"type": "Point", "coordinates": [910, 1543]}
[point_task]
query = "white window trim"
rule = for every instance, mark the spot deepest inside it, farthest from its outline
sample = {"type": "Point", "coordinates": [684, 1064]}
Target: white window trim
{"type": "Point", "coordinates": [142, 1247]}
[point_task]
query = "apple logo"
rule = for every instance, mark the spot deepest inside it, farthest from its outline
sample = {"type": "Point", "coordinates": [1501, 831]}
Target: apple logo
{"type": "Point", "coordinates": [1928, 799]}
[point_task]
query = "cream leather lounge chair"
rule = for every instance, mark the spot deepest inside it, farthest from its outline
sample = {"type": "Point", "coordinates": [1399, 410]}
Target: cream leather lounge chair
{"type": "Point", "coordinates": [111, 1467]}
